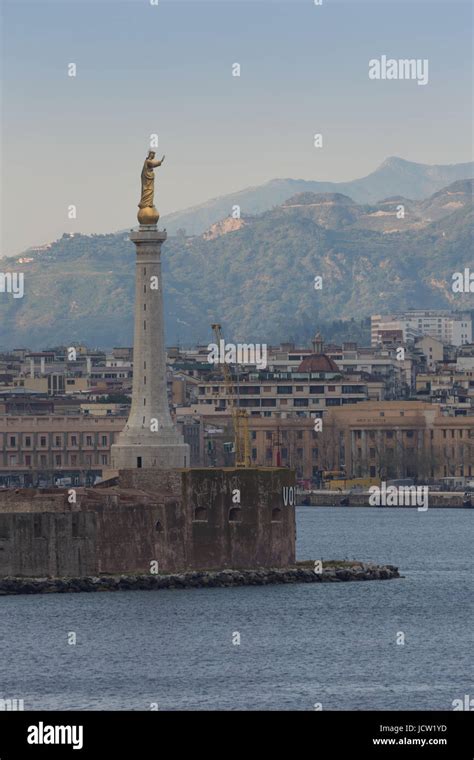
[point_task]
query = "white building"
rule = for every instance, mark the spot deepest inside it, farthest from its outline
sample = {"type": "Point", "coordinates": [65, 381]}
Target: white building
{"type": "Point", "coordinates": [451, 328]}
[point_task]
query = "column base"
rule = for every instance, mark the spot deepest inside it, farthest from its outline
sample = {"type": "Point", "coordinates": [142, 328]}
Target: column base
{"type": "Point", "coordinates": [163, 457]}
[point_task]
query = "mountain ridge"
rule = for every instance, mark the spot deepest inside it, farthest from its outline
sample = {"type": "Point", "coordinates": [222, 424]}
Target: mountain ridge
{"type": "Point", "coordinates": [255, 278]}
{"type": "Point", "coordinates": [394, 176]}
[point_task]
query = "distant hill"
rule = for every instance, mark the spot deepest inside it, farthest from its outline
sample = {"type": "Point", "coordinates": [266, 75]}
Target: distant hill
{"type": "Point", "coordinates": [256, 277]}
{"type": "Point", "coordinates": [393, 177]}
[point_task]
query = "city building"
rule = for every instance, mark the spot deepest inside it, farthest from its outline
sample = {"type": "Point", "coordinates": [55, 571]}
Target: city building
{"type": "Point", "coordinates": [307, 389]}
{"type": "Point", "coordinates": [431, 349]}
{"type": "Point", "coordinates": [41, 450]}
{"type": "Point", "coordinates": [453, 328]}
{"type": "Point", "coordinates": [398, 439]}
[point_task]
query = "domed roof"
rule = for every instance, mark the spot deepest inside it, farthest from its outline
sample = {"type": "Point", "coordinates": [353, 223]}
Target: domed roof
{"type": "Point", "coordinates": [318, 363]}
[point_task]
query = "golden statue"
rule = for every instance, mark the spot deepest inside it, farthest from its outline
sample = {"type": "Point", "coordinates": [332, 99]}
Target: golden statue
{"type": "Point", "coordinates": [148, 213]}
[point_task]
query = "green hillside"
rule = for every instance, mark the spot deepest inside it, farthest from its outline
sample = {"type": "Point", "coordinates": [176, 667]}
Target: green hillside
{"type": "Point", "coordinates": [258, 280]}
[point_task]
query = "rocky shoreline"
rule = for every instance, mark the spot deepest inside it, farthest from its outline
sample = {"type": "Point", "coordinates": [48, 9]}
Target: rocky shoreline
{"type": "Point", "coordinates": [303, 572]}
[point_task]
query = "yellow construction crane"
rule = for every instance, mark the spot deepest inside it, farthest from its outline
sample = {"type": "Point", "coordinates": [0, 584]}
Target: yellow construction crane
{"type": "Point", "coordinates": [240, 420]}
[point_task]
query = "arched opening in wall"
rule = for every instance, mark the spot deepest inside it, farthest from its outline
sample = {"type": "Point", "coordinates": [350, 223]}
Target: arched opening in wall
{"type": "Point", "coordinates": [276, 514]}
{"type": "Point", "coordinates": [235, 514]}
{"type": "Point", "coordinates": [158, 527]}
{"type": "Point", "coordinates": [200, 514]}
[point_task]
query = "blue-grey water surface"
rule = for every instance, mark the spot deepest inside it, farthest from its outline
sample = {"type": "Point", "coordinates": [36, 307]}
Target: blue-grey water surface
{"type": "Point", "coordinates": [303, 644]}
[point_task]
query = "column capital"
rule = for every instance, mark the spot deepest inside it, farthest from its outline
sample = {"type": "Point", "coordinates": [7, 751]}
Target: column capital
{"type": "Point", "coordinates": [148, 234]}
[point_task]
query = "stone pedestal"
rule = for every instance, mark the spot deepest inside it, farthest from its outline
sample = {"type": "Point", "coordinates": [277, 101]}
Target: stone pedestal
{"type": "Point", "coordinates": [150, 438]}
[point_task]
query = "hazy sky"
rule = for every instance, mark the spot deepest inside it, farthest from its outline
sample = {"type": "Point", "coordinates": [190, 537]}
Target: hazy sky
{"type": "Point", "coordinates": [167, 69]}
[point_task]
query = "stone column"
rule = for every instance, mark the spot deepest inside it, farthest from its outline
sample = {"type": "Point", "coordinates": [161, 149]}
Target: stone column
{"type": "Point", "coordinates": [150, 438]}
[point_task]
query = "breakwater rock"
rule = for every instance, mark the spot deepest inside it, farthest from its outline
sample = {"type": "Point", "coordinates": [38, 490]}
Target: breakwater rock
{"type": "Point", "coordinates": [303, 572]}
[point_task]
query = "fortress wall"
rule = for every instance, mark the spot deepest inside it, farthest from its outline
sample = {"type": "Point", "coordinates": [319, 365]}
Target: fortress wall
{"type": "Point", "coordinates": [183, 520]}
{"type": "Point", "coordinates": [194, 511]}
{"type": "Point", "coordinates": [33, 500]}
{"type": "Point", "coordinates": [238, 534]}
{"type": "Point", "coordinates": [47, 544]}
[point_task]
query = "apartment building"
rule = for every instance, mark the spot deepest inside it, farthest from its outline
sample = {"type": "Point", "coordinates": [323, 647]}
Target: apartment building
{"type": "Point", "coordinates": [297, 394]}
{"type": "Point", "coordinates": [448, 386]}
{"type": "Point", "coordinates": [315, 385]}
{"type": "Point", "coordinates": [41, 449]}
{"type": "Point", "coordinates": [397, 373]}
{"type": "Point", "coordinates": [431, 348]}
{"type": "Point", "coordinates": [451, 328]}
